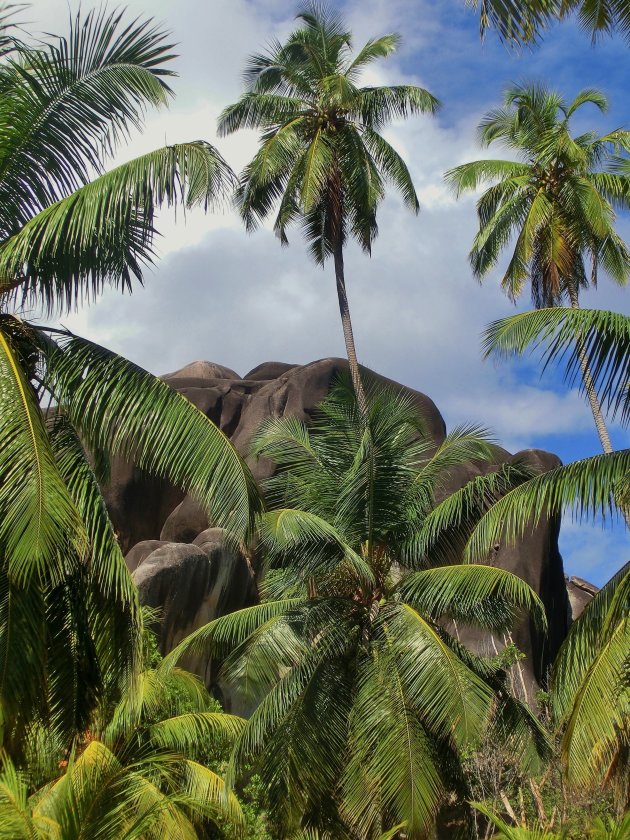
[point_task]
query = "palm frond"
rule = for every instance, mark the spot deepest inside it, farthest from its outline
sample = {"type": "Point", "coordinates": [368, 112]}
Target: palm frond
{"type": "Point", "coordinates": [597, 725]}
{"type": "Point", "coordinates": [117, 406]}
{"type": "Point", "coordinates": [478, 595]}
{"type": "Point", "coordinates": [588, 486]}
{"type": "Point", "coordinates": [218, 637]}
{"type": "Point", "coordinates": [102, 234]}
{"type": "Point", "coordinates": [582, 644]}
{"type": "Point", "coordinates": [70, 102]}
{"type": "Point", "coordinates": [560, 335]}
{"type": "Point", "coordinates": [38, 518]}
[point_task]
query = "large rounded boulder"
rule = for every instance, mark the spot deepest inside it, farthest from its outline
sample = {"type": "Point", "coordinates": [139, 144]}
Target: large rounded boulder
{"type": "Point", "coordinates": [182, 566]}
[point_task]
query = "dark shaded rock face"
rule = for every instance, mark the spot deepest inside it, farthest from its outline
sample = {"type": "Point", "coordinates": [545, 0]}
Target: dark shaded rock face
{"type": "Point", "coordinates": [180, 564]}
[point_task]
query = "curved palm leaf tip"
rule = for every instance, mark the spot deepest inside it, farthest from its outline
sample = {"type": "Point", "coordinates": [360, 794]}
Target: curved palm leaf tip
{"type": "Point", "coordinates": [362, 691]}
{"type": "Point", "coordinates": [523, 21]}
{"type": "Point", "coordinates": [64, 236]}
{"type": "Point", "coordinates": [591, 687]}
{"type": "Point", "coordinates": [322, 160]}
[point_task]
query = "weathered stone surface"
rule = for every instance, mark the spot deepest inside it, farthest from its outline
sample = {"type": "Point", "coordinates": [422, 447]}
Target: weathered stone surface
{"type": "Point", "coordinates": [581, 593]}
{"type": "Point", "coordinates": [191, 585]}
{"type": "Point", "coordinates": [140, 552]}
{"type": "Point", "coordinates": [185, 522]}
{"type": "Point", "coordinates": [176, 577]}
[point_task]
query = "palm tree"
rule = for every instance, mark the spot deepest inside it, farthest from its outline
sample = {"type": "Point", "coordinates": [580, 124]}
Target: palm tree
{"type": "Point", "coordinates": [322, 159]}
{"type": "Point", "coordinates": [366, 700]}
{"type": "Point", "coordinates": [521, 21]}
{"type": "Point", "coordinates": [591, 688]}
{"type": "Point", "coordinates": [68, 609]}
{"type": "Point", "coordinates": [140, 772]}
{"type": "Point", "coordinates": [557, 202]}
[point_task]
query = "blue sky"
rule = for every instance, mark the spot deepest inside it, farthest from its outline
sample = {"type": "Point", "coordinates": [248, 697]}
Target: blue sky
{"type": "Point", "coordinates": [418, 314]}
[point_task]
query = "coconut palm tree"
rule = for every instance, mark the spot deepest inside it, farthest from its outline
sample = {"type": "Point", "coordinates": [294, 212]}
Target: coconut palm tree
{"type": "Point", "coordinates": [68, 227]}
{"type": "Point", "coordinates": [557, 202]}
{"type": "Point", "coordinates": [322, 159]}
{"type": "Point", "coordinates": [365, 698]}
{"type": "Point", "coordinates": [139, 772]}
{"type": "Point", "coordinates": [521, 21]}
{"type": "Point", "coordinates": [591, 688]}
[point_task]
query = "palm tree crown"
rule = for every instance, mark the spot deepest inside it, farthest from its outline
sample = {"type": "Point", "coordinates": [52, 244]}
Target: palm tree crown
{"type": "Point", "coordinates": [322, 159]}
{"type": "Point", "coordinates": [366, 699]}
{"type": "Point", "coordinates": [556, 202]}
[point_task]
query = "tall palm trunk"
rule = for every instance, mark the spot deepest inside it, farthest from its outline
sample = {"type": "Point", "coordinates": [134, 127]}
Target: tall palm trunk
{"type": "Point", "coordinates": [335, 197]}
{"type": "Point", "coordinates": [593, 399]}
{"type": "Point", "coordinates": [591, 393]}
{"type": "Point", "coordinates": [346, 324]}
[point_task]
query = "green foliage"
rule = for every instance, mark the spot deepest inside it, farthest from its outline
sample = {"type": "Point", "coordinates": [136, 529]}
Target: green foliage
{"type": "Point", "coordinates": [365, 701]}
{"type": "Point", "coordinates": [598, 828]}
{"type": "Point", "coordinates": [523, 21]}
{"type": "Point", "coordinates": [557, 204]}
{"type": "Point", "coordinates": [322, 160]}
{"type": "Point", "coordinates": [69, 619]}
{"type": "Point", "coordinates": [321, 157]}
{"type": "Point", "coordinates": [136, 774]}
{"type": "Point", "coordinates": [561, 335]}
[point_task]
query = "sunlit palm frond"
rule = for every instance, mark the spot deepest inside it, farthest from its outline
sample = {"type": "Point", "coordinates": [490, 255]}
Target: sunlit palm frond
{"type": "Point", "coordinates": [560, 335]}
{"type": "Point", "coordinates": [588, 487]}
{"type": "Point", "coordinates": [582, 644]}
{"type": "Point", "coordinates": [103, 232]}
{"type": "Point", "coordinates": [38, 518]}
{"type": "Point", "coordinates": [597, 724]}
{"type": "Point", "coordinates": [121, 408]}
{"type": "Point", "coordinates": [68, 103]}
{"type": "Point", "coordinates": [477, 595]}
{"type": "Point", "coordinates": [218, 637]}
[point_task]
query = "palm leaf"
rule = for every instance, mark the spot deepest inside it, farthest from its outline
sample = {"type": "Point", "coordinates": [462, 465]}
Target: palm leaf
{"type": "Point", "coordinates": [598, 721]}
{"type": "Point", "coordinates": [224, 633]}
{"type": "Point", "coordinates": [588, 486]}
{"type": "Point", "coordinates": [117, 406]}
{"type": "Point", "coordinates": [478, 595]}
{"type": "Point", "coordinates": [392, 758]}
{"type": "Point", "coordinates": [69, 103]}
{"type": "Point", "coordinates": [450, 699]}
{"type": "Point", "coordinates": [561, 335]}
{"type": "Point", "coordinates": [582, 644]}
{"type": "Point", "coordinates": [38, 518]}
{"type": "Point", "coordinates": [103, 233]}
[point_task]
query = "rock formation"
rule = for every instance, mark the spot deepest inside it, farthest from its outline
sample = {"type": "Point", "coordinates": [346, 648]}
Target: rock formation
{"type": "Point", "coordinates": [179, 561]}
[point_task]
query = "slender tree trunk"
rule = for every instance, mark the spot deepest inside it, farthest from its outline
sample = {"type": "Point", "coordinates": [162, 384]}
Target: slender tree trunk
{"type": "Point", "coordinates": [346, 324]}
{"type": "Point", "coordinates": [593, 399]}
{"type": "Point", "coordinates": [335, 198]}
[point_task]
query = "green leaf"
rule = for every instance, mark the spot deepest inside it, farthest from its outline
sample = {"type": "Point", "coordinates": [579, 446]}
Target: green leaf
{"type": "Point", "coordinates": [117, 406]}
{"type": "Point", "coordinates": [38, 519]}
{"type": "Point", "coordinates": [478, 595]}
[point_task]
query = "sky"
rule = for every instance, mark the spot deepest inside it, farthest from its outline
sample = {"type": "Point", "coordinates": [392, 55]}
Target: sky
{"type": "Point", "coordinates": [220, 294]}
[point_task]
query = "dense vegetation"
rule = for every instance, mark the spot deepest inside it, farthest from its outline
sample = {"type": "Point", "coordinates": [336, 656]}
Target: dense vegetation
{"type": "Point", "coordinates": [372, 720]}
